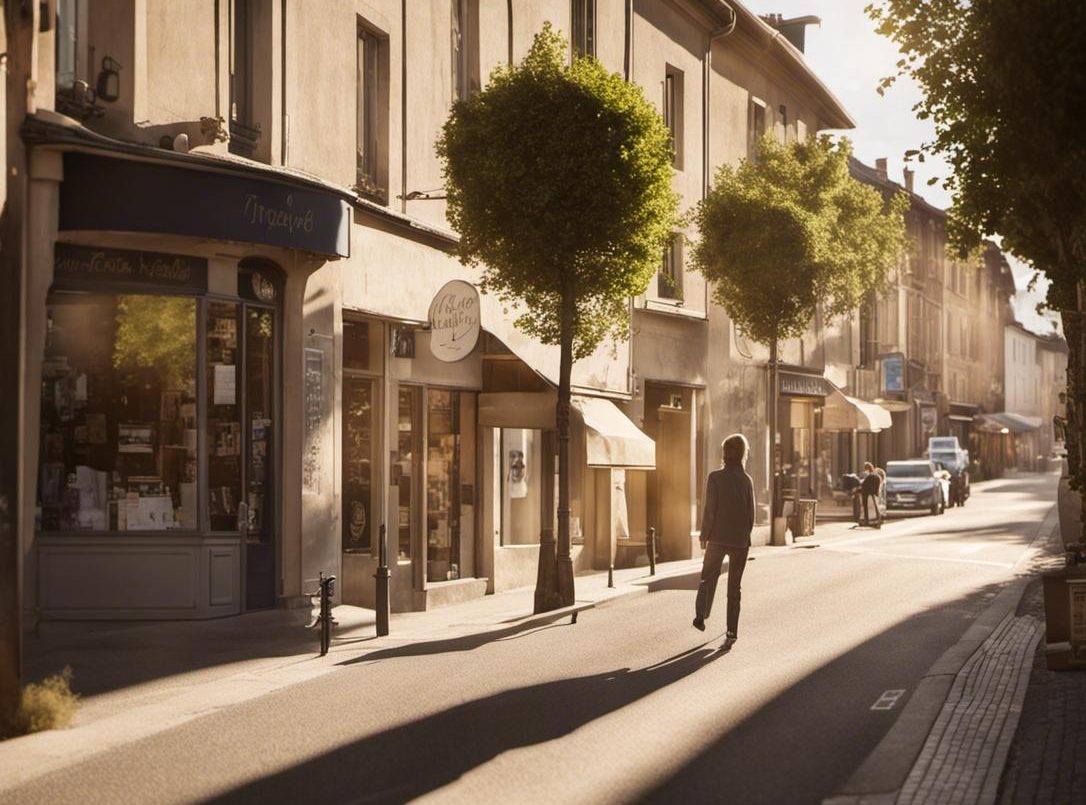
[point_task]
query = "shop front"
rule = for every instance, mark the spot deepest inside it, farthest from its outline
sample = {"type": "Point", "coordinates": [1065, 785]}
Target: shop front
{"type": "Point", "coordinates": [848, 428]}
{"type": "Point", "coordinates": [164, 408]}
{"type": "Point", "coordinates": [801, 398]}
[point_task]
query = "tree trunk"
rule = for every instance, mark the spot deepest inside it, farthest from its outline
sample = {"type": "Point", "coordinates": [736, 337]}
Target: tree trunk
{"type": "Point", "coordinates": [565, 370]}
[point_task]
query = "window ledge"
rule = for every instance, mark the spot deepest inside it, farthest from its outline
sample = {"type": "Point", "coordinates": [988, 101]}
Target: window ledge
{"type": "Point", "coordinates": [674, 308]}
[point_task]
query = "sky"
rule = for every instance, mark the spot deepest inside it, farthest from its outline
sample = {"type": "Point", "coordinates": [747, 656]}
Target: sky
{"type": "Point", "coordinates": [850, 58]}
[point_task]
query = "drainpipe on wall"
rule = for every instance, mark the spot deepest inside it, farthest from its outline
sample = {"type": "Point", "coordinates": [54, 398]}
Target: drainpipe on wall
{"type": "Point", "coordinates": [707, 71]}
{"type": "Point", "coordinates": [403, 107]}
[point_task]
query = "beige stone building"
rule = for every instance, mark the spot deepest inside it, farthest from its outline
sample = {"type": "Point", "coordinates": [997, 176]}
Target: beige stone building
{"type": "Point", "coordinates": [238, 373]}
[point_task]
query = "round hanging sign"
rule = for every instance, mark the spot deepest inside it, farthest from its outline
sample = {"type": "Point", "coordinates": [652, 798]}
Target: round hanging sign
{"type": "Point", "coordinates": [454, 321]}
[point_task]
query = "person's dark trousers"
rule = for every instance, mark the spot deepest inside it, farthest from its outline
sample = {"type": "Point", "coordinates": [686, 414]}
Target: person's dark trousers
{"type": "Point", "coordinates": [710, 573]}
{"type": "Point", "coordinates": [874, 502]}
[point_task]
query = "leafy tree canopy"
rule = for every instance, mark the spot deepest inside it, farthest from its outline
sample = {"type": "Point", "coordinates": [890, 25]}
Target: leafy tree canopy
{"type": "Point", "coordinates": [790, 230]}
{"type": "Point", "coordinates": [1004, 83]}
{"type": "Point", "coordinates": [559, 181]}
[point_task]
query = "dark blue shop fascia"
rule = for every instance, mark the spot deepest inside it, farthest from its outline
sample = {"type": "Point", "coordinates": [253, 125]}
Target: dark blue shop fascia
{"type": "Point", "coordinates": [119, 195]}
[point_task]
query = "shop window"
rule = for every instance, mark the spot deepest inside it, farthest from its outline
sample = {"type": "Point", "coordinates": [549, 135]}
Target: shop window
{"type": "Point", "coordinates": [371, 110]}
{"type": "Point", "coordinates": [118, 416]}
{"type": "Point", "coordinates": [71, 31]}
{"type": "Point", "coordinates": [404, 465]}
{"type": "Point", "coordinates": [358, 462]}
{"type": "Point", "coordinates": [521, 454]}
{"type": "Point", "coordinates": [362, 345]}
{"type": "Point", "coordinates": [583, 27]}
{"type": "Point", "coordinates": [223, 416]}
{"type": "Point", "coordinates": [442, 485]}
{"type": "Point", "coordinates": [669, 282]}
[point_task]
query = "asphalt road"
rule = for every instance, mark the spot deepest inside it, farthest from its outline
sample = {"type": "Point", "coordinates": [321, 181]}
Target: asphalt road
{"type": "Point", "coordinates": [629, 704]}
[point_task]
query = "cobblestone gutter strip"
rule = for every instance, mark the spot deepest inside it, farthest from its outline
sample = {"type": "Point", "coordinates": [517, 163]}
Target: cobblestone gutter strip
{"type": "Point", "coordinates": [963, 758]}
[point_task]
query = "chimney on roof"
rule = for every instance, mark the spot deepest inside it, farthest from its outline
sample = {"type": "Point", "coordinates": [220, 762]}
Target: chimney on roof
{"type": "Point", "coordinates": [880, 167]}
{"type": "Point", "coordinates": [794, 29]}
{"type": "Point", "coordinates": [908, 179]}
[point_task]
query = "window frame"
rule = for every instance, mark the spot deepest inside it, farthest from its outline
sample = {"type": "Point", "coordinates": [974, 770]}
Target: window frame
{"type": "Point", "coordinates": [669, 277]}
{"type": "Point", "coordinates": [371, 112]}
{"type": "Point", "coordinates": [582, 28]}
{"type": "Point", "coordinates": [673, 110]}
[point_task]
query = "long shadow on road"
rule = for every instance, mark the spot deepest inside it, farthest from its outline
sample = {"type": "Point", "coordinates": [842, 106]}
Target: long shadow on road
{"type": "Point", "coordinates": [421, 756]}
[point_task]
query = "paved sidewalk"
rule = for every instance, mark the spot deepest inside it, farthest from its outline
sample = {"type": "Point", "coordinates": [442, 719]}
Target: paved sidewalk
{"type": "Point", "coordinates": [1047, 762]}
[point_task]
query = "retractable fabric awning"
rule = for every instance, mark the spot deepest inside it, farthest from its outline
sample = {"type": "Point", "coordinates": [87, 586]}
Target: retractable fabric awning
{"type": "Point", "coordinates": [611, 439]}
{"type": "Point", "coordinates": [841, 412]}
{"type": "Point", "coordinates": [1015, 423]}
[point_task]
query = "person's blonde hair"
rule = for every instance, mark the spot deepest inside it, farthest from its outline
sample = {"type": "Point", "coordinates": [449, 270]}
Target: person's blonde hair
{"type": "Point", "coordinates": [735, 448]}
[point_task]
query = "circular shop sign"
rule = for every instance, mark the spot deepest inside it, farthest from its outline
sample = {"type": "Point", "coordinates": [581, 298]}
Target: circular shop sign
{"type": "Point", "coordinates": [454, 321]}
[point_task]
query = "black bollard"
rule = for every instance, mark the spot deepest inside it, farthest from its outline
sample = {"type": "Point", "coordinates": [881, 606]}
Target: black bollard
{"type": "Point", "coordinates": [327, 589]}
{"type": "Point", "coordinates": [610, 577]}
{"type": "Point", "coordinates": [650, 546]}
{"type": "Point", "coordinates": [381, 576]}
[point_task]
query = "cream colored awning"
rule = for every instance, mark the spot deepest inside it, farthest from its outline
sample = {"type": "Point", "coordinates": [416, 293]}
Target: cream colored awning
{"type": "Point", "coordinates": [842, 412]}
{"type": "Point", "coordinates": [611, 439]}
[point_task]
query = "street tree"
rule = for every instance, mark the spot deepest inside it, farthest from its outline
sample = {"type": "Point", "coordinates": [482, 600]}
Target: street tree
{"type": "Point", "coordinates": [558, 179]}
{"type": "Point", "coordinates": [789, 232]}
{"type": "Point", "coordinates": [1004, 85]}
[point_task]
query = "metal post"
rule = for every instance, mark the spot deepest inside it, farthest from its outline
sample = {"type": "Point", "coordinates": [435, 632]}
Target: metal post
{"type": "Point", "coordinates": [650, 547]}
{"type": "Point", "coordinates": [382, 575]}
{"type": "Point", "coordinates": [774, 480]}
{"type": "Point", "coordinates": [610, 577]}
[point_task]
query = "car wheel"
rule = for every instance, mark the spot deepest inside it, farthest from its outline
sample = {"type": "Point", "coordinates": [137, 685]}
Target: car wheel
{"type": "Point", "coordinates": [935, 506]}
{"type": "Point", "coordinates": [942, 504]}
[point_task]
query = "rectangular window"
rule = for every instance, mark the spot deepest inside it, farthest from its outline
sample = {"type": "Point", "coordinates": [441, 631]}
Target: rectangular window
{"type": "Point", "coordinates": [244, 130]}
{"type": "Point", "coordinates": [370, 111]}
{"type": "Point", "coordinates": [757, 123]}
{"type": "Point", "coordinates": [868, 342]}
{"type": "Point", "coordinates": [583, 27]}
{"type": "Point", "coordinates": [673, 111]}
{"type": "Point", "coordinates": [118, 414]}
{"type": "Point", "coordinates": [521, 457]}
{"type": "Point", "coordinates": [70, 29]}
{"type": "Point", "coordinates": [465, 59]}
{"type": "Point", "coordinates": [669, 282]}
{"type": "Point", "coordinates": [782, 123]}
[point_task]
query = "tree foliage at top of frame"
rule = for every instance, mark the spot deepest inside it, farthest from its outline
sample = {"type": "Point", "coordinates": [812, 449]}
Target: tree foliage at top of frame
{"type": "Point", "coordinates": [559, 180]}
{"type": "Point", "coordinates": [1004, 84]}
{"type": "Point", "coordinates": [790, 230]}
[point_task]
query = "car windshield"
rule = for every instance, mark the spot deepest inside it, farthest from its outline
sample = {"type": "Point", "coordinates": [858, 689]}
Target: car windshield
{"type": "Point", "coordinates": [917, 470]}
{"type": "Point", "coordinates": [945, 457]}
{"type": "Point", "coordinates": [942, 444]}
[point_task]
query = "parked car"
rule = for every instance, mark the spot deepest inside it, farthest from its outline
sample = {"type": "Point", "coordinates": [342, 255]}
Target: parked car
{"type": "Point", "coordinates": [917, 484]}
{"type": "Point", "coordinates": [946, 451]}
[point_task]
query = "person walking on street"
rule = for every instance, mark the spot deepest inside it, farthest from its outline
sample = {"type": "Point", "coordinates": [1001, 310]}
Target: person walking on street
{"type": "Point", "coordinates": [869, 490]}
{"type": "Point", "coordinates": [725, 531]}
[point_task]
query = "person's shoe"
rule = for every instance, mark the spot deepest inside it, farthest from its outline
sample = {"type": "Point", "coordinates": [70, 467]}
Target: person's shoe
{"type": "Point", "coordinates": [731, 635]}
{"type": "Point", "coordinates": [699, 624]}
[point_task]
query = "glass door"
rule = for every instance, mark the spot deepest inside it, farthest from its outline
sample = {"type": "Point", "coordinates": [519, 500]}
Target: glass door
{"type": "Point", "coordinates": [240, 387]}
{"type": "Point", "coordinates": [259, 525]}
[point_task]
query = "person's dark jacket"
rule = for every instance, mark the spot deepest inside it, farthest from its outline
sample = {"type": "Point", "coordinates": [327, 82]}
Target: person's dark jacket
{"type": "Point", "coordinates": [729, 507]}
{"type": "Point", "coordinates": [871, 484]}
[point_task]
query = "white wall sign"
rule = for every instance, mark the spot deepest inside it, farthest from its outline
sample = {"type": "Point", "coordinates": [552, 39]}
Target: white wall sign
{"type": "Point", "coordinates": [454, 321]}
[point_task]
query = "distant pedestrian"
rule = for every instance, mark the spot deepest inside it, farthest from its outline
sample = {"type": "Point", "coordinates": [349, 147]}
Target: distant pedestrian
{"type": "Point", "coordinates": [869, 490]}
{"type": "Point", "coordinates": [725, 531]}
